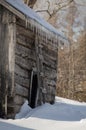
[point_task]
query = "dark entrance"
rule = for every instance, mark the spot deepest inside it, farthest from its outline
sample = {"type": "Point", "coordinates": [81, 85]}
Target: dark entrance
{"type": "Point", "coordinates": [33, 90]}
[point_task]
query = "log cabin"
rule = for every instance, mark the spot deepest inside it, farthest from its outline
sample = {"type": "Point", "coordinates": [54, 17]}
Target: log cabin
{"type": "Point", "coordinates": [28, 58]}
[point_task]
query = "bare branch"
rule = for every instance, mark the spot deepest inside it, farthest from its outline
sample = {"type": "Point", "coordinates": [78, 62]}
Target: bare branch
{"type": "Point", "coordinates": [60, 6]}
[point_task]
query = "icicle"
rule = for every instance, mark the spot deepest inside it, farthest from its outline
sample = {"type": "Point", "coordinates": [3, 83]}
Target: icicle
{"type": "Point", "coordinates": [49, 36]}
{"type": "Point", "coordinates": [54, 39]}
{"type": "Point", "coordinates": [37, 29]}
{"type": "Point", "coordinates": [41, 31]}
{"type": "Point", "coordinates": [31, 25]}
{"type": "Point", "coordinates": [26, 22]}
{"type": "Point", "coordinates": [56, 42]}
{"type": "Point", "coordinates": [42, 35]}
{"type": "Point", "coordinates": [43, 39]}
{"type": "Point", "coordinates": [46, 39]}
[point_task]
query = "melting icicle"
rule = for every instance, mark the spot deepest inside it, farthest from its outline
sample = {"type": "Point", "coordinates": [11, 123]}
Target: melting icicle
{"type": "Point", "coordinates": [46, 39]}
{"type": "Point", "coordinates": [26, 22]}
{"type": "Point", "coordinates": [34, 26]}
{"type": "Point", "coordinates": [43, 36]}
{"type": "Point", "coordinates": [56, 42]}
{"type": "Point", "coordinates": [31, 25]}
{"type": "Point", "coordinates": [37, 29]}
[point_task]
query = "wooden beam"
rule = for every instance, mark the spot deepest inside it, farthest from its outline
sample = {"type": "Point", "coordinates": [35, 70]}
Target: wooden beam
{"type": "Point", "coordinates": [7, 48]}
{"type": "Point", "coordinates": [12, 9]}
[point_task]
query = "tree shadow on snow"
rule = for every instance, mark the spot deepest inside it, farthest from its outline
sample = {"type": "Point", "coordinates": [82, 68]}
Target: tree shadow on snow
{"type": "Point", "coordinates": [61, 112]}
{"type": "Point", "coordinates": [8, 126]}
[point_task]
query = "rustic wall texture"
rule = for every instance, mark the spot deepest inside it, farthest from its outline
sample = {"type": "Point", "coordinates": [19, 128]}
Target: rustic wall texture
{"type": "Point", "coordinates": [69, 17]}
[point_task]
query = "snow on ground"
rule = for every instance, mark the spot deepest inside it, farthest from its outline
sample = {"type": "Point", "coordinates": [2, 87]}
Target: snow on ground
{"type": "Point", "coordinates": [63, 115]}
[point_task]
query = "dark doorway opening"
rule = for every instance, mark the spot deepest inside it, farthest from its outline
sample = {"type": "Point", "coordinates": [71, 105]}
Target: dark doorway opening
{"type": "Point", "coordinates": [33, 90]}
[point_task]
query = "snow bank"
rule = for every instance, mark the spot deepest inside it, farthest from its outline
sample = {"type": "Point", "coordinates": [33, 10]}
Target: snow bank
{"type": "Point", "coordinates": [65, 114]}
{"type": "Point", "coordinates": [62, 110]}
{"type": "Point", "coordinates": [25, 109]}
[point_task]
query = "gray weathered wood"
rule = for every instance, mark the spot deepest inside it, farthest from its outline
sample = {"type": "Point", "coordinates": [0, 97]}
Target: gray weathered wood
{"type": "Point", "coordinates": [26, 32]}
{"type": "Point", "coordinates": [49, 45]}
{"type": "Point", "coordinates": [27, 64]}
{"type": "Point", "coordinates": [7, 45]}
{"type": "Point", "coordinates": [17, 108]}
{"type": "Point", "coordinates": [25, 52]}
{"type": "Point", "coordinates": [22, 91]}
{"type": "Point", "coordinates": [22, 81]}
{"type": "Point", "coordinates": [19, 100]}
{"type": "Point", "coordinates": [39, 97]}
{"type": "Point", "coordinates": [9, 7]}
{"type": "Point", "coordinates": [25, 41]}
{"type": "Point", "coordinates": [21, 72]}
{"type": "Point", "coordinates": [49, 63]}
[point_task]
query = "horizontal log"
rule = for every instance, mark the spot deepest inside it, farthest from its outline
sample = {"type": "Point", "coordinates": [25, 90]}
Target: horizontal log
{"type": "Point", "coordinates": [25, 41]}
{"type": "Point", "coordinates": [53, 58]}
{"type": "Point", "coordinates": [51, 90]}
{"type": "Point", "coordinates": [50, 98]}
{"type": "Point", "coordinates": [24, 63]}
{"type": "Point", "coordinates": [50, 73]}
{"type": "Point", "coordinates": [50, 82]}
{"type": "Point", "coordinates": [17, 108]}
{"type": "Point", "coordinates": [49, 44]}
{"type": "Point", "coordinates": [19, 100]}
{"type": "Point", "coordinates": [25, 52]}
{"type": "Point", "coordinates": [22, 81]}
{"type": "Point", "coordinates": [52, 54]}
{"type": "Point", "coordinates": [50, 63]}
{"type": "Point", "coordinates": [21, 72]}
{"type": "Point", "coordinates": [22, 23]}
{"type": "Point", "coordinates": [25, 59]}
{"type": "Point", "coordinates": [25, 32]}
{"type": "Point", "coordinates": [22, 91]}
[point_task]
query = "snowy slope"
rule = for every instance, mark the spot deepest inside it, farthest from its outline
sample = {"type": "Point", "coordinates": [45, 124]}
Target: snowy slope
{"type": "Point", "coordinates": [63, 115]}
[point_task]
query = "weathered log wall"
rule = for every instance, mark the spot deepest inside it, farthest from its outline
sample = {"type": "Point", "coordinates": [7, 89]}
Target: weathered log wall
{"type": "Point", "coordinates": [50, 76]}
{"type": "Point", "coordinates": [7, 57]}
{"type": "Point", "coordinates": [20, 58]}
{"type": "Point", "coordinates": [0, 38]}
{"type": "Point", "coordinates": [24, 62]}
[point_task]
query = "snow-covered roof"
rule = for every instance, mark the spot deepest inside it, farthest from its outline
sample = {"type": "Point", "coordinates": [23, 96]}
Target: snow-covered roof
{"type": "Point", "coordinates": [29, 13]}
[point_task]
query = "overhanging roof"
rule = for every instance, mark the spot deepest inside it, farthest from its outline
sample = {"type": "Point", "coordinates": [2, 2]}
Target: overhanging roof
{"type": "Point", "coordinates": [24, 12]}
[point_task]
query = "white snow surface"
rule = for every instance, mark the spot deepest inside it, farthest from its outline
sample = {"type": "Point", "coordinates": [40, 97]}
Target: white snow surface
{"type": "Point", "coordinates": [65, 114]}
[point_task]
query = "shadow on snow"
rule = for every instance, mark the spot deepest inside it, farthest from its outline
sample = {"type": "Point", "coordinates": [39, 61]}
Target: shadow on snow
{"type": "Point", "coordinates": [8, 126]}
{"type": "Point", "coordinates": [61, 112]}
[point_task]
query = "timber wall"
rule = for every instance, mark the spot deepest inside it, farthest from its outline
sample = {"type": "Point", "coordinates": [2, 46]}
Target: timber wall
{"type": "Point", "coordinates": [50, 69]}
{"type": "Point", "coordinates": [25, 60]}
{"type": "Point", "coordinates": [20, 58]}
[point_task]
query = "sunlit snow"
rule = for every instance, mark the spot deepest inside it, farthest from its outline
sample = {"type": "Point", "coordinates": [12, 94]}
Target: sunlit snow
{"type": "Point", "coordinates": [63, 115]}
